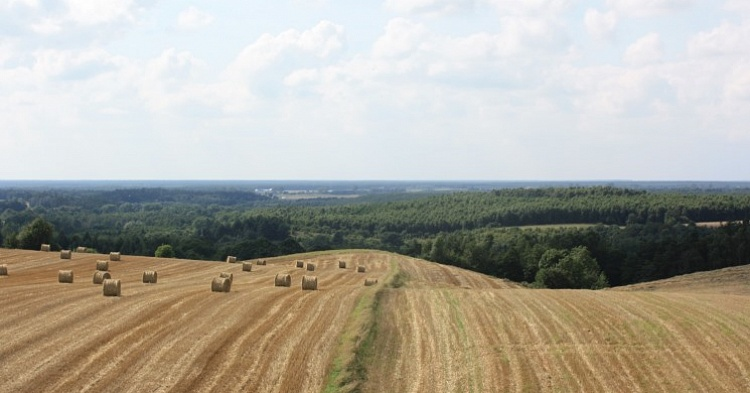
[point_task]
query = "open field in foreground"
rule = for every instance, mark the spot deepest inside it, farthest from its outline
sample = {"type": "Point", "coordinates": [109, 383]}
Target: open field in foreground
{"type": "Point", "coordinates": [442, 329]}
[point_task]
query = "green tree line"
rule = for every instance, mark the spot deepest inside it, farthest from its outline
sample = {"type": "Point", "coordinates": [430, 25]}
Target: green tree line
{"type": "Point", "coordinates": [631, 235]}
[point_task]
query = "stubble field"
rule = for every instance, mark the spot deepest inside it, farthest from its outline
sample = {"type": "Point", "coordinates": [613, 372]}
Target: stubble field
{"type": "Point", "coordinates": [423, 328]}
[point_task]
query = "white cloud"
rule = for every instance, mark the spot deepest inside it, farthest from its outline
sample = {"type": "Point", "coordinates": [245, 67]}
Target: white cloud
{"type": "Point", "coordinates": [600, 25]}
{"type": "Point", "coordinates": [737, 85]}
{"type": "Point", "coordinates": [480, 87]}
{"type": "Point", "coordinates": [263, 67]}
{"type": "Point", "coordinates": [646, 50]}
{"type": "Point", "coordinates": [79, 65]}
{"type": "Point", "coordinates": [301, 77]}
{"type": "Point", "coordinates": [742, 6]}
{"type": "Point", "coordinates": [534, 8]}
{"type": "Point", "coordinates": [727, 39]}
{"type": "Point", "coordinates": [320, 41]}
{"type": "Point", "coordinates": [13, 3]}
{"type": "Point", "coordinates": [435, 7]}
{"type": "Point", "coordinates": [193, 18]}
{"type": "Point", "coordinates": [401, 37]}
{"type": "Point", "coordinates": [47, 26]}
{"type": "Point", "coordinates": [87, 12]}
{"type": "Point", "coordinates": [614, 91]}
{"type": "Point", "coordinates": [648, 8]}
{"type": "Point", "coordinates": [169, 80]}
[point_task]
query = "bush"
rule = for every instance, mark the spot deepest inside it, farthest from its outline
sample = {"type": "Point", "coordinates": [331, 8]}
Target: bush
{"type": "Point", "coordinates": [35, 234]}
{"type": "Point", "coordinates": [574, 268]}
{"type": "Point", "coordinates": [164, 251]}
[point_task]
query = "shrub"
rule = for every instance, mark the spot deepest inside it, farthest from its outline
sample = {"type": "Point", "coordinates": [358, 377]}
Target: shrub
{"type": "Point", "coordinates": [164, 251]}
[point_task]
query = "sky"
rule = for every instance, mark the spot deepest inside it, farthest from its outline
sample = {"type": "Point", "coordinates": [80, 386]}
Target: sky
{"type": "Point", "coordinates": [375, 90]}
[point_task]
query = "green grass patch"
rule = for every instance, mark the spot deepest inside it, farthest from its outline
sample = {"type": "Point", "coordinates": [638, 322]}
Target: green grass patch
{"type": "Point", "coordinates": [472, 368]}
{"type": "Point", "coordinates": [348, 372]}
{"type": "Point", "coordinates": [357, 369]}
{"type": "Point", "coordinates": [336, 377]}
{"type": "Point", "coordinates": [399, 279]}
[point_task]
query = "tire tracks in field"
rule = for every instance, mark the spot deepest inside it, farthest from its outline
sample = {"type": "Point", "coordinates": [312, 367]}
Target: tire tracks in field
{"type": "Point", "coordinates": [680, 318]}
{"type": "Point", "coordinates": [109, 361]}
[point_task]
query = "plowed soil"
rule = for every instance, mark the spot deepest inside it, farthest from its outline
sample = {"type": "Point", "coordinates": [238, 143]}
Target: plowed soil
{"type": "Point", "coordinates": [443, 330]}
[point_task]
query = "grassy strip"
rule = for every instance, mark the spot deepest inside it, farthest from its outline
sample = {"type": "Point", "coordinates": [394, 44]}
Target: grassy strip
{"type": "Point", "coordinates": [399, 279]}
{"type": "Point", "coordinates": [458, 319]}
{"type": "Point", "coordinates": [348, 341]}
{"type": "Point", "coordinates": [354, 348]}
{"type": "Point", "coordinates": [357, 369]}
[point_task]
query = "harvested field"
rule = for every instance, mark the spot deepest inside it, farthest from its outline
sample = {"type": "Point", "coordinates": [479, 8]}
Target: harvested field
{"type": "Point", "coordinates": [731, 280]}
{"type": "Point", "coordinates": [439, 329]}
{"type": "Point", "coordinates": [451, 331]}
{"type": "Point", "coordinates": [175, 336]}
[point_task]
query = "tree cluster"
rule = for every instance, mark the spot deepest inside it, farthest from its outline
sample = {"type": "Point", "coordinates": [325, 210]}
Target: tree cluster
{"type": "Point", "coordinates": [631, 235]}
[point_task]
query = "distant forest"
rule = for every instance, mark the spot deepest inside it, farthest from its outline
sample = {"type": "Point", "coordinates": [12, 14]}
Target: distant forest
{"type": "Point", "coordinates": [546, 236]}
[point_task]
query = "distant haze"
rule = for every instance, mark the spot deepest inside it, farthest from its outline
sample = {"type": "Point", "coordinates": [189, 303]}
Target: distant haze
{"type": "Point", "coordinates": [370, 90]}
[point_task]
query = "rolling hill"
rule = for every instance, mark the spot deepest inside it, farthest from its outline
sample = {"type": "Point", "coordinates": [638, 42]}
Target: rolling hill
{"type": "Point", "coordinates": [423, 328]}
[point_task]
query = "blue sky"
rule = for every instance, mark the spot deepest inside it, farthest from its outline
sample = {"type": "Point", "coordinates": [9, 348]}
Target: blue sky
{"type": "Point", "coordinates": [391, 89]}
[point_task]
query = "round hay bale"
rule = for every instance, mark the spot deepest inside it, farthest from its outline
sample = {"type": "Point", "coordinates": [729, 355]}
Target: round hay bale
{"type": "Point", "coordinates": [81, 249]}
{"type": "Point", "coordinates": [3, 270]}
{"type": "Point", "coordinates": [370, 281]}
{"type": "Point", "coordinates": [65, 254]}
{"type": "Point", "coordinates": [111, 287]}
{"type": "Point", "coordinates": [247, 267]}
{"type": "Point", "coordinates": [100, 276]}
{"type": "Point", "coordinates": [230, 276]}
{"type": "Point", "coordinates": [221, 284]}
{"type": "Point", "coordinates": [46, 248]}
{"type": "Point", "coordinates": [361, 269]}
{"type": "Point", "coordinates": [231, 259]}
{"type": "Point", "coordinates": [114, 256]}
{"type": "Point", "coordinates": [310, 267]}
{"type": "Point", "coordinates": [102, 266]}
{"type": "Point", "coordinates": [300, 264]}
{"type": "Point", "coordinates": [283, 280]}
{"type": "Point", "coordinates": [261, 262]}
{"type": "Point", "coordinates": [149, 277]}
{"type": "Point", "coordinates": [309, 283]}
{"type": "Point", "coordinates": [65, 276]}
{"type": "Point", "coordinates": [342, 264]}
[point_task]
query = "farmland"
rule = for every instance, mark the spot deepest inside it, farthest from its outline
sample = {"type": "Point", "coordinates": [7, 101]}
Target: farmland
{"type": "Point", "coordinates": [429, 328]}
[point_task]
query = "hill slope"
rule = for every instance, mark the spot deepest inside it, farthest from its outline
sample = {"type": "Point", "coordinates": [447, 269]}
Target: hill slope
{"type": "Point", "coordinates": [731, 280]}
{"type": "Point", "coordinates": [440, 329]}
